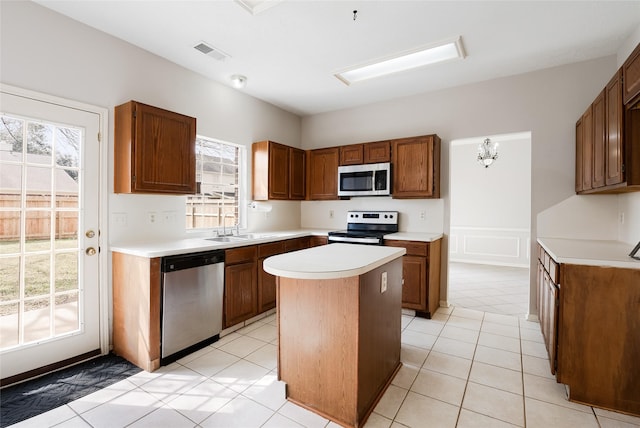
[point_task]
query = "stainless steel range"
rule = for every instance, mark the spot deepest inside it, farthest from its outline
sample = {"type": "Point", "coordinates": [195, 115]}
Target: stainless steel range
{"type": "Point", "coordinates": [366, 227]}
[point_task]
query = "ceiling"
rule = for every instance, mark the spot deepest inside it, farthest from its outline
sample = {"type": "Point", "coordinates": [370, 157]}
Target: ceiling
{"type": "Point", "coordinates": [290, 51]}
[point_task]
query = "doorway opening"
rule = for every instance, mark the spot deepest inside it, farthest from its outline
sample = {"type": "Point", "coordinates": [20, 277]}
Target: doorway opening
{"type": "Point", "coordinates": [490, 226]}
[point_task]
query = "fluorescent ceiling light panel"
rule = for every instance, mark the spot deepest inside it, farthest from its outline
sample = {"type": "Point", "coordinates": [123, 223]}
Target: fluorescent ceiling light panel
{"type": "Point", "coordinates": [432, 54]}
{"type": "Point", "coordinates": [257, 6]}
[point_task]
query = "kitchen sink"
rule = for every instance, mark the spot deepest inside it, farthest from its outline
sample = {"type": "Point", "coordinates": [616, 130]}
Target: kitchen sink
{"type": "Point", "coordinates": [237, 238]}
{"type": "Point", "coordinates": [228, 238]}
{"type": "Point", "coordinates": [253, 236]}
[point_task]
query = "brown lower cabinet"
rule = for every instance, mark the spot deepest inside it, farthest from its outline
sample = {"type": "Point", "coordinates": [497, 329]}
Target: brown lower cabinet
{"type": "Point", "coordinates": [248, 289]}
{"type": "Point", "coordinates": [136, 309]}
{"type": "Point", "coordinates": [420, 275]}
{"type": "Point", "coordinates": [240, 285]}
{"type": "Point", "coordinates": [590, 319]}
{"type": "Point", "coordinates": [315, 241]}
{"type": "Point", "coordinates": [548, 295]}
{"type": "Point", "coordinates": [266, 281]}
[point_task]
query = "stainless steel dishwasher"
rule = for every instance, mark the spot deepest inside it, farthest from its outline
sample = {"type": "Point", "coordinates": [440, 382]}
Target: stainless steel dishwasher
{"type": "Point", "coordinates": [191, 311]}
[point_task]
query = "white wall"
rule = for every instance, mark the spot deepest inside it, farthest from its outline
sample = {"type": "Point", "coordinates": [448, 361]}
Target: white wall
{"type": "Point", "coordinates": [491, 207]}
{"type": "Point", "coordinates": [581, 217]}
{"type": "Point", "coordinates": [629, 209]}
{"type": "Point", "coordinates": [48, 52]}
{"type": "Point", "coordinates": [546, 102]}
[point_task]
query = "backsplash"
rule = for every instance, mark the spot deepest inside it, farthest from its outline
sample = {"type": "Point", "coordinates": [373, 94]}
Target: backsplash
{"type": "Point", "coordinates": [415, 215]}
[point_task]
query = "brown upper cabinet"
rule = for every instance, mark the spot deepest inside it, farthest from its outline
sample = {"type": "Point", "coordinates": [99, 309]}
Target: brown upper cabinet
{"type": "Point", "coordinates": [613, 131]}
{"type": "Point", "coordinates": [323, 173]}
{"type": "Point", "coordinates": [608, 136]}
{"type": "Point", "coordinates": [599, 137]}
{"type": "Point", "coordinates": [297, 173]}
{"type": "Point", "coordinates": [358, 154]}
{"type": "Point", "coordinates": [352, 154]}
{"type": "Point", "coordinates": [377, 152]}
{"type": "Point", "coordinates": [154, 150]}
{"type": "Point", "coordinates": [631, 73]}
{"type": "Point", "coordinates": [278, 171]}
{"type": "Point", "coordinates": [416, 167]}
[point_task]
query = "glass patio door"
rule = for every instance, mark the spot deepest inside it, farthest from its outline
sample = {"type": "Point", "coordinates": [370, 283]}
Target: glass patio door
{"type": "Point", "coordinates": [49, 236]}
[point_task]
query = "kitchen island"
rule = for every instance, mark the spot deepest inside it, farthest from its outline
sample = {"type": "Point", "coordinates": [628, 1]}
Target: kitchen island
{"type": "Point", "coordinates": [339, 325]}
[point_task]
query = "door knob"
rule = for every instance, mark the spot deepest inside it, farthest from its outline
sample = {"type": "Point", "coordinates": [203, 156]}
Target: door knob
{"type": "Point", "coordinates": [90, 234]}
{"type": "Point", "coordinates": [90, 251]}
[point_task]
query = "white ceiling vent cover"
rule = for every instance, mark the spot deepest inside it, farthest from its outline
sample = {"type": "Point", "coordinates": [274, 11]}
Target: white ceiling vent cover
{"type": "Point", "coordinates": [209, 50]}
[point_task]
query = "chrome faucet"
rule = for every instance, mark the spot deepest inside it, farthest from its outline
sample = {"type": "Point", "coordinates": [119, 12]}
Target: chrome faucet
{"type": "Point", "coordinates": [224, 230]}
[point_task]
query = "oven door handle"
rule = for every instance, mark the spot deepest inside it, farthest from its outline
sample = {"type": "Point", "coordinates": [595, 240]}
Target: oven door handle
{"type": "Point", "coordinates": [354, 240]}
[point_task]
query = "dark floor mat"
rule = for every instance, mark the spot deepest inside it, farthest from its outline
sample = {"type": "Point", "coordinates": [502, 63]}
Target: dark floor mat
{"type": "Point", "coordinates": [28, 399]}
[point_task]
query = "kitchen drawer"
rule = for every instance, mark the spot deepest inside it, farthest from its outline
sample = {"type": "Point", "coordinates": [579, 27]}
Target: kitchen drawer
{"type": "Point", "coordinates": [296, 244]}
{"type": "Point", "coordinates": [315, 241]}
{"type": "Point", "coordinates": [240, 255]}
{"type": "Point", "coordinates": [414, 248]}
{"type": "Point", "coordinates": [270, 249]}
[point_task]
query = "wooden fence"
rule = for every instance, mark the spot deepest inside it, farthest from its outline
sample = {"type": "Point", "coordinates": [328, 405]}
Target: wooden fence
{"type": "Point", "coordinates": [38, 221]}
{"type": "Point", "coordinates": [207, 212]}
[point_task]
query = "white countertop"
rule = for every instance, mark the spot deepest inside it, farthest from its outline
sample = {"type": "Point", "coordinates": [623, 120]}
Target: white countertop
{"type": "Point", "coordinates": [194, 245]}
{"type": "Point", "coordinates": [414, 236]}
{"type": "Point", "coordinates": [331, 261]}
{"type": "Point", "coordinates": [590, 252]}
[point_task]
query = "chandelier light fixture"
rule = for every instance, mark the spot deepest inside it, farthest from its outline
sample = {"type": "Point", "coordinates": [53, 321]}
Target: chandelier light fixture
{"type": "Point", "coordinates": [487, 152]}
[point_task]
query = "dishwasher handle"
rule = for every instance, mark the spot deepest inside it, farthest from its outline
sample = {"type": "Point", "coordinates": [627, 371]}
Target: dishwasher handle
{"type": "Point", "coordinates": [188, 261]}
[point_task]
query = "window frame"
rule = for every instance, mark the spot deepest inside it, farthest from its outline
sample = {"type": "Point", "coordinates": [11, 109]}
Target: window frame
{"type": "Point", "coordinates": [242, 186]}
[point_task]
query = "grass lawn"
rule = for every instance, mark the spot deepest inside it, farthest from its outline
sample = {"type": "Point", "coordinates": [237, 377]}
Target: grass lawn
{"type": "Point", "coordinates": [37, 268]}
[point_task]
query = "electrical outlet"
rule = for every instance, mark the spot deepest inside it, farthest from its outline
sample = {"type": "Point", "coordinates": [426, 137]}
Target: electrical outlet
{"type": "Point", "coordinates": [169, 217]}
{"type": "Point", "coordinates": [119, 219]}
{"type": "Point", "coordinates": [153, 217]}
{"type": "Point", "coordinates": [423, 215]}
{"type": "Point", "coordinates": [330, 213]}
{"type": "Point", "coordinates": [383, 283]}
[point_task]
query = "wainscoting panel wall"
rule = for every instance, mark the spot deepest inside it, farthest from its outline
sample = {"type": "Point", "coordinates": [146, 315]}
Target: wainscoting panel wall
{"type": "Point", "coordinates": [492, 246]}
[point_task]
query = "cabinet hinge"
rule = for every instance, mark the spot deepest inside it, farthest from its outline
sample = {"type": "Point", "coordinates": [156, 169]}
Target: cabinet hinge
{"type": "Point", "coordinates": [99, 137]}
{"type": "Point", "coordinates": [133, 178]}
{"type": "Point", "coordinates": [622, 168]}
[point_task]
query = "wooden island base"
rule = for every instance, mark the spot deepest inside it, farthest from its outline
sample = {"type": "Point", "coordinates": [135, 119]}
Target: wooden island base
{"type": "Point", "coordinates": [339, 341]}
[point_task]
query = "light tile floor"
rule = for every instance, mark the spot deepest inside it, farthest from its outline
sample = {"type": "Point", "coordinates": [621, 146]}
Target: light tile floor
{"type": "Point", "coordinates": [494, 289]}
{"type": "Point", "coordinates": [464, 368]}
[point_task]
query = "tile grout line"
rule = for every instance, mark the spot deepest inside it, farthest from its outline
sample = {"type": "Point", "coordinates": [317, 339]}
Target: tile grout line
{"type": "Point", "coordinates": [412, 382]}
{"type": "Point", "coordinates": [466, 384]}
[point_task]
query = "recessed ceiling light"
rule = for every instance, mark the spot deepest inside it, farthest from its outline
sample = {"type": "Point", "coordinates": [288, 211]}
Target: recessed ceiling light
{"type": "Point", "coordinates": [440, 52]}
{"type": "Point", "coordinates": [238, 81]}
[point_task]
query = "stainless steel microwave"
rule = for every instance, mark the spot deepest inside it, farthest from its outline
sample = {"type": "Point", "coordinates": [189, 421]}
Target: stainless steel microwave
{"type": "Point", "coordinates": [365, 180]}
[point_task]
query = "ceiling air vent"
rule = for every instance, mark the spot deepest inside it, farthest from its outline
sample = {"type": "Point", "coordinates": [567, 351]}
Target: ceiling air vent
{"type": "Point", "coordinates": [209, 50]}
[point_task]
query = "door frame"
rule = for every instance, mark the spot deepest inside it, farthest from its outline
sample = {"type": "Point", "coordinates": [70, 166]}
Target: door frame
{"type": "Point", "coordinates": [103, 259]}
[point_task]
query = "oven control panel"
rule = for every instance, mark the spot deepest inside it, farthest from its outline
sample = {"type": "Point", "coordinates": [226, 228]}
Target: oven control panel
{"type": "Point", "coordinates": [373, 217]}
